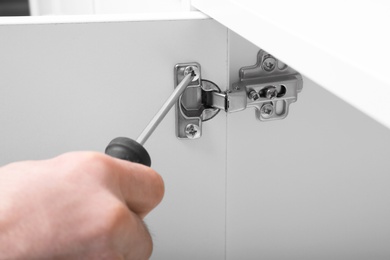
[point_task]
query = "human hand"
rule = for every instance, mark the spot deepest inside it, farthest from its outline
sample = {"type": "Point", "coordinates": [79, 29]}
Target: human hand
{"type": "Point", "coordinates": [80, 205]}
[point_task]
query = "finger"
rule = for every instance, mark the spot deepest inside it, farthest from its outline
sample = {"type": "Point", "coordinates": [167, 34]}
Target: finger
{"type": "Point", "coordinates": [142, 188]}
{"type": "Point", "coordinates": [139, 186]}
{"type": "Point", "coordinates": [131, 237]}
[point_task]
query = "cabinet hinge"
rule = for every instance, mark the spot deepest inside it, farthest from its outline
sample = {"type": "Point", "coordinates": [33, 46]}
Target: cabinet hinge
{"type": "Point", "coordinates": [269, 86]}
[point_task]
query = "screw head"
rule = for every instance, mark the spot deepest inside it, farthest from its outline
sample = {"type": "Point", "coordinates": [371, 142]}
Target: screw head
{"type": "Point", "coordinates": [192, 131]}
{"type": "Point", "coordinates": [267, 110]}
{"type": "Point", "coordinates": [190, 69]}
{"type": "Point", "coordinates": [253, 95]}
{"type": "Point", "coordinates": [269, 63]}
{"type": "Point", "coordinates": [271, 93]}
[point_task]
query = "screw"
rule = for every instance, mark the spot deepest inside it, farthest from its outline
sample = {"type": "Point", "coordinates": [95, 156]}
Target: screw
{"type": "Point", "coordinates": [192, 69]}
{"type": "Point", "coordinates": [269, 63]}
{"type": "Point", "coordinates": [267, 110]}
{"type": "Point", "coordinates": [192, 131]}
{"type": "Point", "coordinates": [253, 95]}
{"type": "Point", "coordinates": [271, 93]}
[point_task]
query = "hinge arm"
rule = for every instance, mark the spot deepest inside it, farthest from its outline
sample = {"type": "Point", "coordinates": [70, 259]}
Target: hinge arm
{"type": "Point", "coordinates": [218, 100]}
{"type": "Point", "coordinates": [230, 101]}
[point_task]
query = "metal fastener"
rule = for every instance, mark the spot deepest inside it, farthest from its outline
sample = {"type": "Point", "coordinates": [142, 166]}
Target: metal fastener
{"type": "Point", "coordinates": [253, 95]}
{"type": "Point", "coordinates": [269, 63]}
{"type": "Point", "coordinates": [271, 93]}
{"type": "Point", "coordinates": [267, 110]}
{"type": "Point", "coordinates": [192, 131]}
{"type": "Point", "coordinates": [191, 69]}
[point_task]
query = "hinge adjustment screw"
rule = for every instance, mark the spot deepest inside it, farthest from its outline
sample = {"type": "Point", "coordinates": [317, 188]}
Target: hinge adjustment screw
{"type": "Point", "coordinates": [271, 93]}
{"type": "Point", "coordinates": [253, 95]}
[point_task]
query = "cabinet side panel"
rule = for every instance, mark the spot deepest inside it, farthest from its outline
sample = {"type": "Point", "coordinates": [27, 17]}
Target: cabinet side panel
{"type": "Point", "coordinates": [68, 87]}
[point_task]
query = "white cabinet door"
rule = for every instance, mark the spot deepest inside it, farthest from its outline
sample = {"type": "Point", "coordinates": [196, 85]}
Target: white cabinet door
{"type": "Point", "coordinates": [312, 186]}
{"type": "Point", "coordinates": [76, 86]}
{"type": "Point", "coordinates": [341, 45]}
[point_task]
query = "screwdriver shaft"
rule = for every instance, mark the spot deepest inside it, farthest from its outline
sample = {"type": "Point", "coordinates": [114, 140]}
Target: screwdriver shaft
{"type": "Point", "coordinates": [165, 108]}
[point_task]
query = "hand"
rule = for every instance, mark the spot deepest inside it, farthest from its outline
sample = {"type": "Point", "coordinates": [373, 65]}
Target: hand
{"type": "Point", "coordinates": [80, 205]}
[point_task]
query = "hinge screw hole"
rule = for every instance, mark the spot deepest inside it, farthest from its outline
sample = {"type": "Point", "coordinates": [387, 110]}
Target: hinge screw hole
{"type": "Point", "coordinates": [281, 91]}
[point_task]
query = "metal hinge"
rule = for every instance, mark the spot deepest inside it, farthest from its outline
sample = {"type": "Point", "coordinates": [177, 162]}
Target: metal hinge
{"type": "Point", "coordinates": [269, 86]}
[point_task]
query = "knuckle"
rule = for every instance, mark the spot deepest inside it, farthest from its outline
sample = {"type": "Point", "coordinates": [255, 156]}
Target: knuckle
{"type": "Point", "coordinates": [123, 228]}
{"type": "Point", "coordinates": [94, 158]}
{"type": "Point", "coordinates": [85, 164]}
{"type": "Point", "coordinates": [82, 157]}
{"type": "Point", "coordinates": [117, 216]}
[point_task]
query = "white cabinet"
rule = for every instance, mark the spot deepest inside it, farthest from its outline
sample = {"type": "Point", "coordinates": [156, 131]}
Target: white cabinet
{"type": "Point", "coordinates": [75, 86]}
{"type": "Point", "coordinates": [311, 186]}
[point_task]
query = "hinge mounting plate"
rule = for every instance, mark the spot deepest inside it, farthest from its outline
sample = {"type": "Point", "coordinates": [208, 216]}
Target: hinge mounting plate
{"type": "Point", "coordinates": [192, 107]}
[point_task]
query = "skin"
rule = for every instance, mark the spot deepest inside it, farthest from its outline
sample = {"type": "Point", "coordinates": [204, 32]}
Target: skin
{"type": "Point", "coordinates": [79, 205]}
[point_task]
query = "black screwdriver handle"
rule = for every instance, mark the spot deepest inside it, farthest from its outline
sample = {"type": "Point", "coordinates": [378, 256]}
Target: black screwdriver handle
{"type": "Point", "coordinates": [127, 149]}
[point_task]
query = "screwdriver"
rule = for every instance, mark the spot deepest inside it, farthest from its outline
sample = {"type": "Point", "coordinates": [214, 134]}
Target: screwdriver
{"type": "Point", "coordinates": [132, 150]}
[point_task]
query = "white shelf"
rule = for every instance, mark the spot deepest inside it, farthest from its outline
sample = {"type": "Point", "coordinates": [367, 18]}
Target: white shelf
{"type": "Point", "coordinates": [342, 45]}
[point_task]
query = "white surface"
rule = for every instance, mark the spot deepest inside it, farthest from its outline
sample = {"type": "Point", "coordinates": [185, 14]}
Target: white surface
{"type": "Point", "coordinates": [313, 186]}
{"type": "Point", "coordinates": [139, 17]}
{"type": "Point", "coordinates": [76, 86]}
{"type": "Point", "coordinates": [341, 45]}
{"type": "Point", "coordinates": [136, 6]}
{"type": "Point", "coordinates": [83, 7]}
{"type": "Point", "coordinates": [61, 7]}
